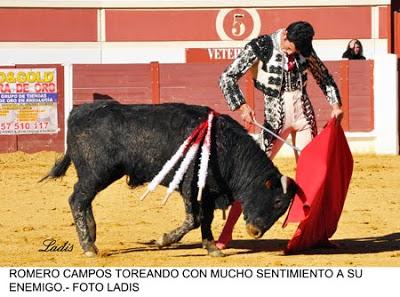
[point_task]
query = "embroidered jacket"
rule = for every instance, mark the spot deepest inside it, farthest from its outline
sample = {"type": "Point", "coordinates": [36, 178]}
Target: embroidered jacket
{"type": "Point", "coordinates": [268, 65]}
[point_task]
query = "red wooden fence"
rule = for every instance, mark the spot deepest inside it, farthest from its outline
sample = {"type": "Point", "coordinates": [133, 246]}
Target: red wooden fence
{"type": "Point", "coordinates": [194, 84]}
{"type": "Point", "coordinates": [198, 84]}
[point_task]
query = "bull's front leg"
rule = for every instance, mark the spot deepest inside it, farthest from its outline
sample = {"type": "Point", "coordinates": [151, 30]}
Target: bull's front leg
{"type": "Point", "coordinates": [192, 218]}
{"type": "Point", "coordinates": [191, 222]}
{"type": "Point", "coordinates": [207, 216]}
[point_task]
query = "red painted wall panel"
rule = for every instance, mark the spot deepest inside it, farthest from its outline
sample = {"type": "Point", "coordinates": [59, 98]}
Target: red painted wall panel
{"type": "Point", "coordinates": [194, 84]}
{"type": "Point", "coordinates": [8, 143]}
{"type": "Point", "coordinates": [200, 24]}
{"type": "Point", "coordinates": [160, 25]}
{"type": "Point", "coordinates": [198, 84]}
{"type": "Point", "coordinates": [322, 108]}
{"type": "Point", "coordinates": [51, 25]}
{"type": "Point", "coordinates": [328, 22]}
{"type": "Point", "coordinates": [63, 24]}
{"type": "Point", "coordinates": [396, 33]}
{"type": "Point", "coordinates": [360, 92]}
{"type": "Point", "coordinates": [384, 21]}
{"type": "Point", "coordinates": [124, 82]}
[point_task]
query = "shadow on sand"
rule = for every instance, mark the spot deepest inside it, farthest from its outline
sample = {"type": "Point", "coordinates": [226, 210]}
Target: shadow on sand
{"type": "Point", "coordinates": [364, 245]}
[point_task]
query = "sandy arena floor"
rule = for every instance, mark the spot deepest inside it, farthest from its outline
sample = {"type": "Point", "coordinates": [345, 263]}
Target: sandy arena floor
{"type": "Point", "coordinates": [368, 232]}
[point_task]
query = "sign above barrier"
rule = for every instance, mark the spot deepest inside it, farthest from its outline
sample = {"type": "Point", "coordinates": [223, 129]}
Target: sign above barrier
{"type": "Point", "coordinates": [211, 55]}
{"type": "Point", "coordinates": [238, 24]}
{"type": "Point", "coordinates": [28, 101]}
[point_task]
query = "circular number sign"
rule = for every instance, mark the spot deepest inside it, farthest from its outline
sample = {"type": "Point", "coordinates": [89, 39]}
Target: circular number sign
{"type": "Point", "coordinates": [238, 24]}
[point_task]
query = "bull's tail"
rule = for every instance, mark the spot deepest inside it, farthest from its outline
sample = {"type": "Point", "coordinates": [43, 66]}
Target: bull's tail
{"type": "Point", "coordinates": [60, 167]}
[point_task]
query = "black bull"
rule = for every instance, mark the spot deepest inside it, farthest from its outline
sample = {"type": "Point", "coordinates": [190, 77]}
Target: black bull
{"type": "Point", "coordinates": [107, 140]}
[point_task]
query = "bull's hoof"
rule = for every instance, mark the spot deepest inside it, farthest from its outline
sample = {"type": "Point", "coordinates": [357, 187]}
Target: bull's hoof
{"type": "Point", "coordinates": [216, 253]}
{"type": "Point", "coordinates": [91, 252]}
{"type": "Point", "coordinates": [212, 249]}
{"type": "Point", "coordinates": [163, 241]}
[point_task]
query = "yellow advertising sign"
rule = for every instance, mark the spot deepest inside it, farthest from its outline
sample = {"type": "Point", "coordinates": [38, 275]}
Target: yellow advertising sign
{"type": "Point", "coordinates": [28, 101]}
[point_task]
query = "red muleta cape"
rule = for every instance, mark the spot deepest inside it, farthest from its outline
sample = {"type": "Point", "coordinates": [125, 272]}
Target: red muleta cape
{"type": "Point", "coordinates": [324, 170]}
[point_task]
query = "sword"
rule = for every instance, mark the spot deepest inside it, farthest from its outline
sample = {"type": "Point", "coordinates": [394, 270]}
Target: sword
{"type": "Point", "coordinates": [276, 135]}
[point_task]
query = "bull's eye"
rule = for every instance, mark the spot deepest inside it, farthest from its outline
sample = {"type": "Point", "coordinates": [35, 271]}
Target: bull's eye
{"type": "Point", "coordinates": [268, 184]}
{"type": "Point", "coordinates": [278, 203]}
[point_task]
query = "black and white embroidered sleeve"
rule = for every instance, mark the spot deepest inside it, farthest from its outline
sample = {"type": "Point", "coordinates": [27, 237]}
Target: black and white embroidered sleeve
{"type": "Point", "coordinates": [324, 79]}
{"type": "Point", "coordinates": [228, 81]}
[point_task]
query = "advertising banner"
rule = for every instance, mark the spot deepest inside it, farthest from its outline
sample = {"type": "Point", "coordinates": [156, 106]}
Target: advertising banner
{"type": "Point", "coordinates": [28, 101]}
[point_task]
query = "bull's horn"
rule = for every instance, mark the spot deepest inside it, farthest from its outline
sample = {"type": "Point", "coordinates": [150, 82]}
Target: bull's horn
{"type": "Point", "coordinates": [284, 182]}
{"type": "Point", "coordinates": [199, 193]}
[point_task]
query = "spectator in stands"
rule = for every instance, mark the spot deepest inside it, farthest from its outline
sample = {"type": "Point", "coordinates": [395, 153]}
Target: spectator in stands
{"type": "Point", "coordinates": [279, 64]}
{"type": "Point", "coordinates": [354, 50]}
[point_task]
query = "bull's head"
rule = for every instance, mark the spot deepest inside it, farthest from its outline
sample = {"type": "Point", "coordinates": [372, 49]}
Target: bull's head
{"type": "Point", "coordinates": [269, 203]}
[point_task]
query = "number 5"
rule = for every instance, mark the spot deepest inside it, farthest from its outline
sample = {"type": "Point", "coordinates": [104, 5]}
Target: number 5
{"type": "Point", "coordinates": [238, 27]}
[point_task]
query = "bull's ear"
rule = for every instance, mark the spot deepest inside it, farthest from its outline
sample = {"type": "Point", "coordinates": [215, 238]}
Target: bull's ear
{"type": "Point", "coordinates": [268, 184]}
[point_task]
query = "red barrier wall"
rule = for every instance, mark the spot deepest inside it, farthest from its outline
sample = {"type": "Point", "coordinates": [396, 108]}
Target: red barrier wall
{"type": "Point", "coordinates": [47, 24]}
{"type": "Point", "coordinates": [356, 88]}
{"type": "Point", "coordinates": [194, 84]}
{"type": "Point", "coordinates": [81, 24]}
{"type": "Point", "coordinates": [129, 83]}
{"type": "Point", "coordinates": [201, 24]}
{"type": "Point", "coordinates": [198, 84]}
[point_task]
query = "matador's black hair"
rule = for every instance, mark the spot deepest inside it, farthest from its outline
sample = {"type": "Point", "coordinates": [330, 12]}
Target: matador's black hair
{"type": "Point", "coordinates": [301, 34]}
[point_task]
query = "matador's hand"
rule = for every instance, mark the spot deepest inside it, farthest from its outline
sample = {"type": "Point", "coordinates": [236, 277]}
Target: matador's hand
{"type": "Point", "coordinates": [337, 112]}
{"type": "Point", "coordinates": [248, 114]}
